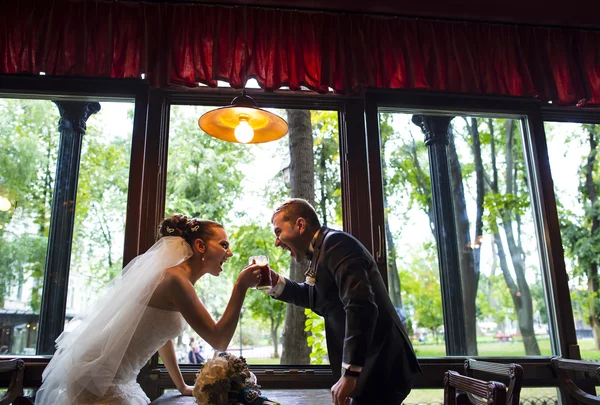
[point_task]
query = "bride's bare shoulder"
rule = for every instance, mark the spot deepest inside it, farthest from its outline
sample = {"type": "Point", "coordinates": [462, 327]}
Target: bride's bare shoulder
{"type": "Point", "coordinates": [176, 275]}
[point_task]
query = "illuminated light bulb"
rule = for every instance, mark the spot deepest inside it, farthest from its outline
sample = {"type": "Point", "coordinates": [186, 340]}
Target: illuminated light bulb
{"type": "Point", "coordinates": [243, 132]}
{"type": "Point", "coordinates": [4, 204]}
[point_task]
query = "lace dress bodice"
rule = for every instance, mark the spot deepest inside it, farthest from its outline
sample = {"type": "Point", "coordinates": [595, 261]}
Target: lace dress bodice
{"type": "Point", "coordinates": [156, 327]}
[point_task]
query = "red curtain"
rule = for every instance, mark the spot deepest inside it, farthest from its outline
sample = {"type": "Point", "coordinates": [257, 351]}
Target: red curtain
{"type": "Point", "coordinates": [187, 44]}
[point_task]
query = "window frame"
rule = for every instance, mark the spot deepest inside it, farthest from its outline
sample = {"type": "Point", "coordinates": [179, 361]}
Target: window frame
{"type": "Point", "coordinates": [53, 88]}
{"type": "Point", "coordinates": [154, 378]}
{"type": "Point", "coordinates": [537, 369]}
{"type": "Point", "coordinates": [361, 197]}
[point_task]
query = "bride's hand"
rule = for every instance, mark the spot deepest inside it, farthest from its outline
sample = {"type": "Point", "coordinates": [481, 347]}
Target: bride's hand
{"type": "Point", "coordinates": [187, 390]}
{"type": "Point", "coordinates": [249, 277]}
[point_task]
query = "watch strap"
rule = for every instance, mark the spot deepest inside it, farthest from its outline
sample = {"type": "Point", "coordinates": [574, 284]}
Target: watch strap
{"type": "Point", "coordinates": [350, 373]}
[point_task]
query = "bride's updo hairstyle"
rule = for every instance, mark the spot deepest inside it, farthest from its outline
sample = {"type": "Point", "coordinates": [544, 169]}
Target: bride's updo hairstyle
{"type": "Point", "coordinates": [190, 230]}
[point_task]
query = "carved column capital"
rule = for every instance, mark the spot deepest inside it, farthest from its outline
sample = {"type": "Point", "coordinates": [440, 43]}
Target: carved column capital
{"type": "Point", "coordinates": [434, 127]}
{"type": "Point", "coordinates": [74, 114]}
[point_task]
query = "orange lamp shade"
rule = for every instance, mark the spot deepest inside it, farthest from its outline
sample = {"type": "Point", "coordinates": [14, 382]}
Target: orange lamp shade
{"type": "Point", "coordinates": [222, 122]}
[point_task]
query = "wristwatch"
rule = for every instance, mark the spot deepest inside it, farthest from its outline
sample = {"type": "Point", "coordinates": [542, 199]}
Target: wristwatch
{"type": "Point", "coordinates": [349, 373]}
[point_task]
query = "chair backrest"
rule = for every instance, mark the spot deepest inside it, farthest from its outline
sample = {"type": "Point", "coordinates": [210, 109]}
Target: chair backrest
{"type": "Point", "coordinates": [587, 370]}
{"type": "Point", "coordinates": [15, 389]}
{"type": "Point", "coordinates": [481, 392]}
{"type": "Point", "coordinates": [512, 371]}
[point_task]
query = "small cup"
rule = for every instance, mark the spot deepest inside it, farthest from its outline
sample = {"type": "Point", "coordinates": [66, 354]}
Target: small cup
{"type": "Point", "coordinates": [265, 272]}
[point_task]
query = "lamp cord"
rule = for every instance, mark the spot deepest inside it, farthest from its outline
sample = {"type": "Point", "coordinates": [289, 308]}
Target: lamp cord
{"type": "Point", "coordinates": [244, 55]}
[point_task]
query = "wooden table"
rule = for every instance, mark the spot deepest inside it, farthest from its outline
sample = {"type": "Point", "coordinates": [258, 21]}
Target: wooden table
{"type": "Point", "coordinates": [284, 397]}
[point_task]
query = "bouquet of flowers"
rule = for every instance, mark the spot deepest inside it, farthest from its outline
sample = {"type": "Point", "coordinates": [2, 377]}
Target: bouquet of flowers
{"type": "Point", "coordinates": [226, 380]}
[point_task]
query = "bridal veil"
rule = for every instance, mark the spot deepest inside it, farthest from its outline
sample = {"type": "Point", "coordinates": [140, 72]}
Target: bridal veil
{"type": "Point", "coordinates": [89, 351]}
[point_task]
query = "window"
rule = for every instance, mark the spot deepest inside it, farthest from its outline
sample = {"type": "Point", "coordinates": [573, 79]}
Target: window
{"type": "Point", "coordinates": [239, 186]}
{"type": "Point", "coordinates": [501, 294]}
{"type": "Point", "coordinates": [573, 151]}
{"type": "Point", "coordinates": [98, 236]}
{"type": "Point", "coordinates": [29, 167]}
{"type": "Point", "coordinates": [29, 149]}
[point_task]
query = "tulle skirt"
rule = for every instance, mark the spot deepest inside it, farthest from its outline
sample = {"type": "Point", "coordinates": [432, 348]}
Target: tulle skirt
{"type": "Point", "coordinates": [118, 394]}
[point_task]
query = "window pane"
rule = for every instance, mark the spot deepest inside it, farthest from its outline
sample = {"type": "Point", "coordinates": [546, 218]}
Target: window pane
{"type": "Point", "coordinates": [239, 185]}
{"type": "Point", "coordinates": [502, 292]}
{"type": "Point", "coordinates": [28, 152]}
{"type": "Point", "coordinates": [97, 252]}
{"type": "Point", "coordinates": [573, 153]}
{"type": "Point", "coordinates": [413, 274]}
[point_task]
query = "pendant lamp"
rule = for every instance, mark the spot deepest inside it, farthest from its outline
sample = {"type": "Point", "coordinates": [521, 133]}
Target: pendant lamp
{"type": "Point", "coordinates": [242, 121]}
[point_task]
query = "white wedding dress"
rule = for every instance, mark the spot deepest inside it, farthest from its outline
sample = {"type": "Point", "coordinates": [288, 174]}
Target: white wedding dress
{"type": "Point", "coordinates": [156, 327]}
{"type": "Point", "coordinates": [101, 352]}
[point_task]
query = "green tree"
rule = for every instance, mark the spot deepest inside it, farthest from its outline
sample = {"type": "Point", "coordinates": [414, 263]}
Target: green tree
{"type": "Point", "coordinates": [302, 185]}
{"type": "Point", "coordinates": [28, 152]}
{"type": "Point", "coordinates": [254, 239]}
{"type": "Point", "coordinates": [497, 179]}
{"type": "Point", "coordinates": [421, 291]}
{"type": "Point", "coordinates": [581, 233]}
{"type": "Point", "coordinates": [203, 175]}
{"type": "Point", "coordinates": [101, 201]}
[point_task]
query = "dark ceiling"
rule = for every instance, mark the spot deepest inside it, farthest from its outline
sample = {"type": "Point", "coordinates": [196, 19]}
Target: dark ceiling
{"type": "Point", "coordinates": [572, 13]}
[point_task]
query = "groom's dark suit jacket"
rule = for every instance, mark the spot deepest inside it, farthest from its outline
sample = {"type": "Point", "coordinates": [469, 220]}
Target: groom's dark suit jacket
{"type": "Point", "coordinates": [361, 324]}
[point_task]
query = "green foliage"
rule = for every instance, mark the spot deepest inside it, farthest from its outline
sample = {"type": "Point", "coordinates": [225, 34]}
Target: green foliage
{"type": "Point", "coordinates": [250, 240]}
{"type": "Point", "coordinates": [315, 324]}
{"type": "Point", "coordinates": [328, 190]}
{"type": "Point", "coordinates": [28, 152]}
{"type": "Point", "coordinates": [203, 177]}
{"type": "Point", "coordinates": [501, 207]}
{"type": "Point", "coordinates": [101, 200]}
{"type": "Point", "coordinates": [421, 289]}
{"type": "Point", "coordinates": [494, 300]}
{"type": "Point", "coordinates": [30, 140]}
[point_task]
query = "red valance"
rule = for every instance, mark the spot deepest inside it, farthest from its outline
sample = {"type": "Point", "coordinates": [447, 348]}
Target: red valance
{"type": "Point", "coordinates": [187, 44]}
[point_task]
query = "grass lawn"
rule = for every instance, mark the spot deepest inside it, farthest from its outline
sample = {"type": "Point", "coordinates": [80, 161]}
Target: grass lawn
{"type": "Point", "coordinates": [261, 360]}
{"type": "Point", "coordinates": [488, 347]}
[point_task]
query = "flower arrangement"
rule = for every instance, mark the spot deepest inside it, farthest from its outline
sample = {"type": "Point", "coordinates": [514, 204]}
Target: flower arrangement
{"type": "Point", "coordinates": [226, 380]}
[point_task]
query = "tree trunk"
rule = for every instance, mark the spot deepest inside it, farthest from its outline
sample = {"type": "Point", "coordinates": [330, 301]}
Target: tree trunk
{"type": "Point", "coordinates": [469, 274]}
{"type": "Point", "coordinates": [323, 188]}
{"type": "Point", "coordinates": [295, 346]}
{"type": "Point", "coordinates": [592, 268]}
{"type": "Point", "coordinates": [392, 270]}
{"type": "Point", "coordinates": [275, 322]}
{"type": "Point", "coordinates": [519, 290]}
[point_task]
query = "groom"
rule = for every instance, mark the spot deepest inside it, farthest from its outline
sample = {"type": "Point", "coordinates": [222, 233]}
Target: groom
{"type": "Point", "coordinates": [369, 350]}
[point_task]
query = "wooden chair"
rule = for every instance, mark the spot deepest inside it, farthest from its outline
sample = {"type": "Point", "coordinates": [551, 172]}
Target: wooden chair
{"type": "Point", "coordinates": [481, 392]}
{"type": "Point", "coordinates": [15, 389]}
{"type": "Point", "coordinates": [581, 370]}
{"type": "Point", "coordinates": [512, 371]}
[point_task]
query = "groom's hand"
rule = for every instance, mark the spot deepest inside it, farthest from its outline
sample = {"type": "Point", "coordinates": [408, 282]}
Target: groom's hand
{"type": "Point", "coordinates": [340, 392]}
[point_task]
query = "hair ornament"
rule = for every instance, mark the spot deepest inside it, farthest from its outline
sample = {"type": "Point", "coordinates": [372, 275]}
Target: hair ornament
{"type": "Point", "coordinates": [170, 230]}
{"type": "Point", "coordinates": [195, 228]}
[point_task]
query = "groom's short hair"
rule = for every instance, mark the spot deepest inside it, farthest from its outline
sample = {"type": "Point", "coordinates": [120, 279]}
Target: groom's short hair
{"type": "Point", "coordinates": [295, 208]}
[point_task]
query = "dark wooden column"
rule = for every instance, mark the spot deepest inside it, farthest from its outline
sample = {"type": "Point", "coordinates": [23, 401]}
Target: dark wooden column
{"type": "Point", "coordinates": [72, 126]}
{"type": "Point", "coordinates": [435, 129]}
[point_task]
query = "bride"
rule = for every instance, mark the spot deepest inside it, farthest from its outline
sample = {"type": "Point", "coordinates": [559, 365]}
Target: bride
{"type": "Point", "coordinates": [101, 352]}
